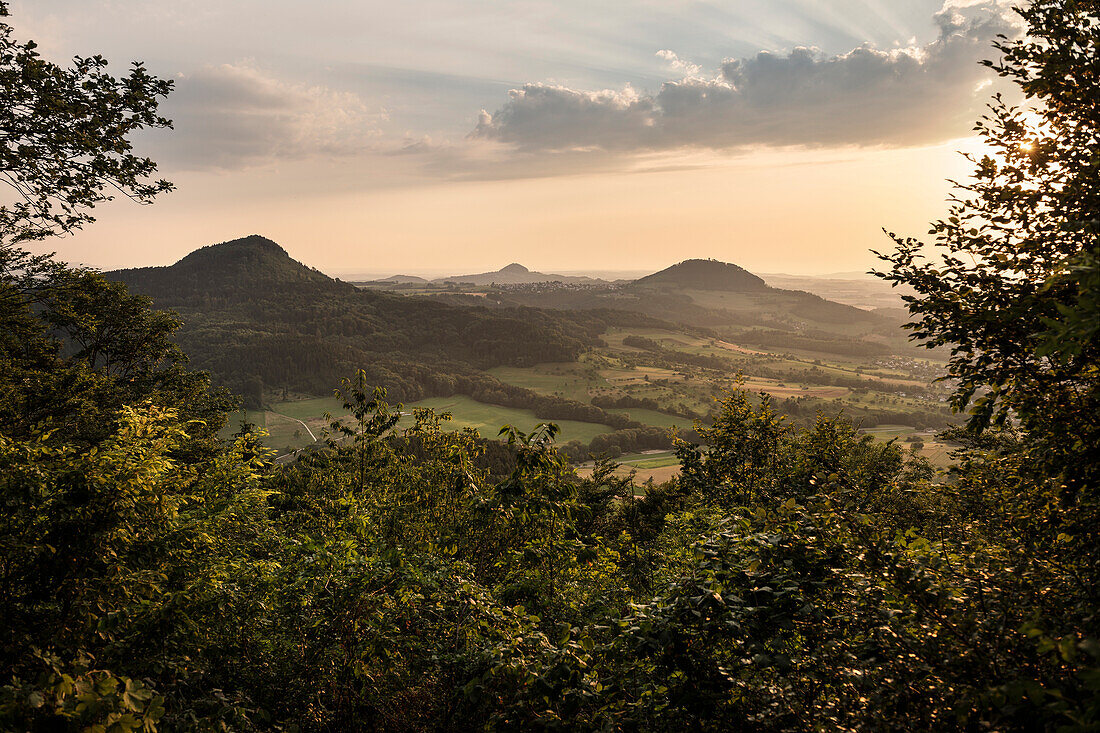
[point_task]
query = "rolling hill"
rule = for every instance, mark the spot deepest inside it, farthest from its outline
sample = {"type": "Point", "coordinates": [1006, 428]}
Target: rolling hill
{"type": "Point", "coordinates": [724, 297]}
{"type": "Point", "coordinates": [704, 275]}
{"type": "Point", "coordinates": [514, 274]}
{"type": "Point", "coordinates": [275, 331]}
{"type": "Point", "coordinates": [251, 313]}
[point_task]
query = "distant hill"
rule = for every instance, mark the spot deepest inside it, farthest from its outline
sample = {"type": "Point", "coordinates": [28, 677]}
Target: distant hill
{"type": "Point", "coordinates": [514, 274]}
{"type": "Point", "coordinates": [403, 279]}
{"type": "Point", "coordinates": [704, 275]}
{"type": "Point", "coordinates": [252, 263]}
{"type": "Point", "coordinates": [719, 295]}
{"type": "Point", "coordinates": [252, 313]}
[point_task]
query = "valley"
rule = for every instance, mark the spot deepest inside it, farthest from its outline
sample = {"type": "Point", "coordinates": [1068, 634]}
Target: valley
{"type": "Point", "coordinates": [622, 367]}
{"type": "Point", "coordinates": [615, 485]}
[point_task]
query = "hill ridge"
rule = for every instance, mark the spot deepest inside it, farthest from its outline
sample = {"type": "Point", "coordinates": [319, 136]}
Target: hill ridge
{"type": "Point", "coordinates": [708, 274]}
{"type": "Point", "coordinates": [514, 274]}
{"type": "Point", "coordinates": [243, 264]}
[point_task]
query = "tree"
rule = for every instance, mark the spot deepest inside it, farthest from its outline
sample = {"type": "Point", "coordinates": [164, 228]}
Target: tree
{"type": "Point", "coordinates": [737, 465]}
{"type": "Point", "coordinates": [74, 348]}
{"type": "Point", "coordinates": [1014, 294]}
{"type": "Point", "coordinates": [65, 138]}
{"type": "Point", "coordinates": [374, 417]}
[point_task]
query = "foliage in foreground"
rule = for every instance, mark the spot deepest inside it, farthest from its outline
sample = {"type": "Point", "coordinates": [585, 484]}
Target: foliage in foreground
{"type": "Point", "coordinates": [793, 578]}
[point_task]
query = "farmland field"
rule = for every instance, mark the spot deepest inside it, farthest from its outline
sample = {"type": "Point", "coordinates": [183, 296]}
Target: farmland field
{"type": "Point", "coordinates": [309, 408]}
{"type": "Point", "coordinates": [654, 418]}
{"type": "Point", "coordinates": [488, 419]}
{"type": "Point", "coordinates": [659, 467]}
{"type": "Point", "coordinates": [284, 430]}
{"type": "Point", "coordinates": [571, 381]}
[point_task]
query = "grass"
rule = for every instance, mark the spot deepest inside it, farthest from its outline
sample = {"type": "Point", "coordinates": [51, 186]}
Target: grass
{"type": "Point", "coordinates": [282, 431]}
{"type": "Point", "coordinates": [886, 432]}
{"type": "Point", "coordinates": [569, 380]}
{"type": "Point", "coordinates": [281, 422]}
{"type": "Point", "coordinates": [656, 462]}
{"type": "Point", "coordinates": [309, 408]}
{"type": "Point", "coordinates": [488, 419]}
{"type": "Point", "coordinates": [654, 418]}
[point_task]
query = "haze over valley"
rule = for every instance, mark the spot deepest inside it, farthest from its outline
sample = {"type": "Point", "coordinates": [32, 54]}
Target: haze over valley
{"type": "Point", "coordinates": [621, 366]}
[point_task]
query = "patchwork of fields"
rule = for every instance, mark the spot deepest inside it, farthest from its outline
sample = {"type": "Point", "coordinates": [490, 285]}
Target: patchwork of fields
{"type": "Point", "coordinates": [619, 372]}
{"type": "Point", "coordinates": [656, 466]}
{"type": "Point", "coordinates": [488, 419]}
{"type": "Point", "coordinates": [285, 431]}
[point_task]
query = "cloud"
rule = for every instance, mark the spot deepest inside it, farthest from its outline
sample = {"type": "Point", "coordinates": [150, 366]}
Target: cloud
{"type": "Point", "coordinates": [678, 64]}
{"type": "Point", "coordinates": [868, 96]}
{"type": "Point", "coordinates": [235, 116]}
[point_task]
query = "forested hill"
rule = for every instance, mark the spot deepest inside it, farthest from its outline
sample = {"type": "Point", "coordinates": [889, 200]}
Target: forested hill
{"type": "Point", "coordinates": [705, 275]}
{"type": "Point", "coordinates": [258, 320]}
{"type": "Point", "coordinates": [718, 295]}
{"type": "Point", "coordinates": [247, 268]}
{"type": "Point", "coordinates": [514, 274]}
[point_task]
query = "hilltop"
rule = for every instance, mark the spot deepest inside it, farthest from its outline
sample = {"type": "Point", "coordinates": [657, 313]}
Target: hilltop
{"type": "Point", "coordinates": [716, 295]}
{"type": "Point", "coordinates": [245, 267]}
{"type": "Point", "coordinates": [514, 274]}
{"type": "Point", "coordinates": [705, 275]}
{"type": "Point", "coordinates": [250, 312]}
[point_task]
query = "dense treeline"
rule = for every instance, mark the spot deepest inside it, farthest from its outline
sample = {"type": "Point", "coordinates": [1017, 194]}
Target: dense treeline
{"type": "Point", "coordinates": [624, 441]}
{"type": "Point", "coordinates": [634, 440]}
{"type": "Point", "coordinates": [645, 403]}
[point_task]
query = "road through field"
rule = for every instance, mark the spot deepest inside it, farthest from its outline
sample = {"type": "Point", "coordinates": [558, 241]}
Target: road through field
{"type": "Point", "coordinates": [288, 417]}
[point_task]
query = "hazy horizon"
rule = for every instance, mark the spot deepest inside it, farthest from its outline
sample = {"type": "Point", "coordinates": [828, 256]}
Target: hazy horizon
{"type": "Point", "coordinates": [353, 274]}
{"type": "Point", "coordinates": [425, 137]}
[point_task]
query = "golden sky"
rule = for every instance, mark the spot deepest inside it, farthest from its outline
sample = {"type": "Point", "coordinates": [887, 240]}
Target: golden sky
{"type": "Point", "coordinates": [431, 137]}
{"type": "Point", "coordinates": [802, 212]}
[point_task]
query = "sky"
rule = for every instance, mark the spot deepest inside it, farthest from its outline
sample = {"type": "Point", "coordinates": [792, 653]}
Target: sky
{"type": "Point", "coordinates": [435, 137]}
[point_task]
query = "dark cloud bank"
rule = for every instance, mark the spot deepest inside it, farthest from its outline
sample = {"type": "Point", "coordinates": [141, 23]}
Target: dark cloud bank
{"type": "Point", "coordinates": [867, 97]}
